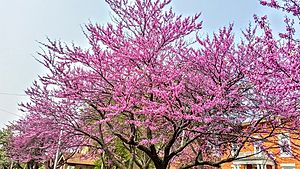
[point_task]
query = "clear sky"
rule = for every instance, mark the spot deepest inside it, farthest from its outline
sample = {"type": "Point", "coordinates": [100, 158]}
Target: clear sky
{"type": "Point", "coordinates": [24, 22]}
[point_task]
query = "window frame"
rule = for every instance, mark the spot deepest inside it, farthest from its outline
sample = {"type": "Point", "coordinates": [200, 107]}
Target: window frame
{"type": "Point", "coordinates": [234, 149]}
{"type": "Point", "coordinates": [284, 137]}
{"type": "Point", "coordinates": [257, 153]}
{"type": "Point", "coordinates": [284, 165]}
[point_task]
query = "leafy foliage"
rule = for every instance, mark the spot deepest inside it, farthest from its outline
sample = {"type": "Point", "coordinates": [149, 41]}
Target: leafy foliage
{"type": "Point", "coordinates": [4, 137]}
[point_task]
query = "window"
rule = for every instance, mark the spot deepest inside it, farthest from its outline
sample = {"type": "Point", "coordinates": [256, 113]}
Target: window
{"type": "Point", "coordinates": [258, 147]}
{"type": "Point", "coordinates": [234, 149]}
{"type": "Point", "coordinates": [284, 144]}
{"type": "Point", "coordinates": [257, 150]}
{"type": "Point", "coordinates": [287, 166]}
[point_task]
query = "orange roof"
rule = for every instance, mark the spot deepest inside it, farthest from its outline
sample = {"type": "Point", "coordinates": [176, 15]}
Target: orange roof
{"type": "Point", "coordinates": [78, 159]}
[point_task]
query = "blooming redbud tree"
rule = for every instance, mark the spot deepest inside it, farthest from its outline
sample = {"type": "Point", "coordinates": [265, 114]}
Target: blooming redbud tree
{"type": "Point", "coordinates": [34, 142]}
{"type": "Point", "coordinates": [142, 84]}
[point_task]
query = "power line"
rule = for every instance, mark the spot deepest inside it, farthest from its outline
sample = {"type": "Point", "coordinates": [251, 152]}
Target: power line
{"type": "Point", "coordinates": [12, 94]}
{"type": "Point", "coordinates": [3, 110]}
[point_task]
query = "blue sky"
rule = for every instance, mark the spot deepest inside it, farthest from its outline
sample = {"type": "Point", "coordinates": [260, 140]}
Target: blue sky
{"type": "Point", "coordinates": [23, 23]}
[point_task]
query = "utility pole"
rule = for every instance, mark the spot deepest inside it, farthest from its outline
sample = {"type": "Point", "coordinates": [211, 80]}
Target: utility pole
{"type": "Point", "coordinates": [58, 147]}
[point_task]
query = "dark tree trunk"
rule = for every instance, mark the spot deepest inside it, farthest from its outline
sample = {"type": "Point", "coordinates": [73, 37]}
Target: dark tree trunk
{"type": "Point", "coordinates": [36, 166]}
{"type": "Point", "coordinates": [19, 166]}
{"type": "Point", "coordinates": [161, 164]}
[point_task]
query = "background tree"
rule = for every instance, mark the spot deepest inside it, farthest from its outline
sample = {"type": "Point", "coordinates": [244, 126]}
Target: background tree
{"type": "Point", "coordinates": [141, 84]}
{"type": "Point", "coordinates": [35, 140]}
{"type": "Point", "coordinates": [4, 160]}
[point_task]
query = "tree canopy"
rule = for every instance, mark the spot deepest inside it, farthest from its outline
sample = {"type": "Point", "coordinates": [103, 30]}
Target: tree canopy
{"type": "Point", "coordinates": [143, 86]}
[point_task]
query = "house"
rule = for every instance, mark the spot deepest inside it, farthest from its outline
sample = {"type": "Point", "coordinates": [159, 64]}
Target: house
{"type": "Point", "coordinates": [78, 162]}
{"type": "Point", "coordinates": [280, 151]}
